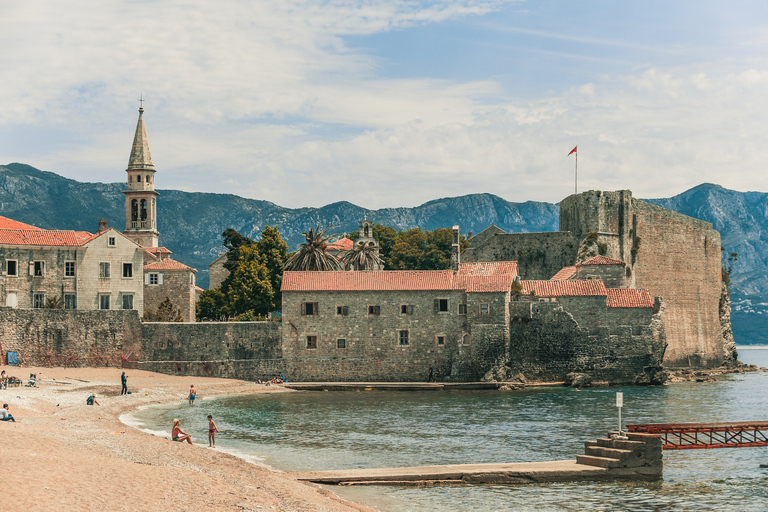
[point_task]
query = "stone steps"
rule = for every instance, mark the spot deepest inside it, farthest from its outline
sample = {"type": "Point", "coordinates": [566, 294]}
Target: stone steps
{"type": "Point", "coordinates": [609, 453]}
{"type": "Point", "coordinates": [601, 462]}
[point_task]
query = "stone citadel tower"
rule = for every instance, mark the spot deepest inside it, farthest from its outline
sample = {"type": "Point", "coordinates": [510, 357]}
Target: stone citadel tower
{"type": "Point", "coordinates": [140, 197]}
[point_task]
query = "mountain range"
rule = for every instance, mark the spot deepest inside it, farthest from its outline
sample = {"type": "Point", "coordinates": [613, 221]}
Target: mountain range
{"type": "Point", "coordinates": [191, 223]}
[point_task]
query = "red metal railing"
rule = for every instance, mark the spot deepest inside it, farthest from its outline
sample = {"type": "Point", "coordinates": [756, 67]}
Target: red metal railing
{"type": "Point", "coordinates": [689, 436]}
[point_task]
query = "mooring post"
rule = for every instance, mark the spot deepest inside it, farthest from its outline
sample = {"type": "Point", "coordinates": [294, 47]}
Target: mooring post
{"type": "Point", "coordinates": [619, 403]}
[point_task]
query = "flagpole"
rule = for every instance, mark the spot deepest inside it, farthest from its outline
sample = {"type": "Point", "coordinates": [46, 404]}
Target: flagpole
{"type": "Point", "coordinates": [576, 175]}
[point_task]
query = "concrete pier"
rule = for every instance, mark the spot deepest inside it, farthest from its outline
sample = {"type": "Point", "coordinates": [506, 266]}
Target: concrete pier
{"type": "Point", "coordinates": [403, 386]}
{"type": "Point", "coordinates": [629, 457]}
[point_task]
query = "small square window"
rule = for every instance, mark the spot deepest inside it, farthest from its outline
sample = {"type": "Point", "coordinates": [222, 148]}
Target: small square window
{"type": "Point", "coordinates": [402, 337]}
{"type": "Point", "coordinates": [309, 308]}
{"type": "Point", "coordinates": [127, 301]}
{"type": "Point", "coordinates": [38, 300]}
{"type": "Point", "coordinates": [374, 310]}
{"type": "Point", "coordinates": [441, 340]}
{"type": "Point", "coordinates": [128, 270]}
{"type": "Point", "coordinates": [112, 242]}
{"type": "Point", "coordinates": [70, 301]}
{"type": "Point", "coordinates": [104, 270]}
{"type": "Point", "coordinates": [154, 279]}
{"type": "Point", "coordinates": [463, 308]}
{"type": "Point", "coordinates": [311, 341]}
{"type": "Point", "coordinates": [39, 268]}
{"type": "Point", "coordinates": [342, 310]}
{"type": "Point", "coordinates": [406, 309]}
{"type": "Point", "coordinates": [13, 268]}
{"type": "Point", "coordinates": [103, 301]}
{"type": "Point", "coordinates": [69, 269]}
{"type": "Point", "coordinates": [341, 343]}
{"type": "Point", "coordinates": [441, 305]}
{"type": "Point", "coordinates": [484, 309]}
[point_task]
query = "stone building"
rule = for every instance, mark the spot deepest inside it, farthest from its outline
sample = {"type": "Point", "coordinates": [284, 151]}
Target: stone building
{"type": "Point", "coordinates": [672, 255]}
{"type": "Point", "coordinates": [69, 269]}
{"type": "Point", "coordinates": [217, 274]}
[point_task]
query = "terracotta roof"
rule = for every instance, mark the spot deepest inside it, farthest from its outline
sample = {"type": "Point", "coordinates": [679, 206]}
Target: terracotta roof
{"type": "Point", "coordinates": [342, 244]}
{"type": "Point", "coordinates": [368, 280]}
{"type": "Point", "coordinates": [600, 260]}
{"type": "Point", "coordinates": [570, 288]}
{"type": "Point", "coordinates": [198, 289]}
{"type": "Point", "coordinates": [564, 273]}
{"type": "Point", "coordinates": [477, 284]}
{"type": "Point", "coordinates": [629, 298]}
{"type": "Point", "coordinates": [47, 237]}
{"type": "Point", "coordinates": [167, 264]}
{"type": "Point", "coordinates": [6, 223]}
{"type": "Point", "coordinates": [489, 268]}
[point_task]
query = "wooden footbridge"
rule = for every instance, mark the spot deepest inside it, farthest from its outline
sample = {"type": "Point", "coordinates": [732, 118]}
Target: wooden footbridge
{"type": "Point", "coordinates": [693, 436]}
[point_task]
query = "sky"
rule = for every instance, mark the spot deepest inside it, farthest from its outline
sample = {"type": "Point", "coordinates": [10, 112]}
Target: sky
{"type": "Point", "coordinates": [389, 103]}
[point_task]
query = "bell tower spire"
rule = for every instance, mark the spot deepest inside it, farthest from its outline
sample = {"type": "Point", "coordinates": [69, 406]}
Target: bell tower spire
{"type": "Point", "coordinates": [140, 196]}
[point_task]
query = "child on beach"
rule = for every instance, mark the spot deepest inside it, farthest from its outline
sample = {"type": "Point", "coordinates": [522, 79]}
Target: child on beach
{"type": "Point", "coordinates": [192, 394]}
{"type": "Point", "coordinates": [211, 432]}
{"type": "Point", "coordinates": [179, 435]}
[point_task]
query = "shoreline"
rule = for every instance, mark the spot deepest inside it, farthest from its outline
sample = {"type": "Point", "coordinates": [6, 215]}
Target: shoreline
{"type": "Point", "coordinates": [62, 454]}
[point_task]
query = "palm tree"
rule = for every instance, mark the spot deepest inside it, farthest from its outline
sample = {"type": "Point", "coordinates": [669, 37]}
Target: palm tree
{"type": "Point", "coordinates": [311, 254]}
{"type": "Point", "coordinates": [364, 256]}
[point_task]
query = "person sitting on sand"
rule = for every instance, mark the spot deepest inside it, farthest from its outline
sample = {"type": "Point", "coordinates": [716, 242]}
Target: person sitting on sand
{"type": "Point", "coordinates": [5, 415]}
{"type": "Point", "coordinates": [179, 435]}
{"type": "Point", "coordinates": [211, 432]}
{"type": "Point", "coordinates": [32, 379]}
{"type": "Point", "coordinates": [3, 380]}
{"type": "Point", "coordinates": [192, 393]}
{"type": "Point", "coordinates": [92, 400]}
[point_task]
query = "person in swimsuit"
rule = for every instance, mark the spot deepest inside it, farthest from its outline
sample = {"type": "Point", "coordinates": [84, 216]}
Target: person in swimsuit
{"type": "Point", "coordinates": [211, 432]}
{"type": "Point", "coordinates": [192, 394]}
{"type": "Point", "coordinates": [179, 435]}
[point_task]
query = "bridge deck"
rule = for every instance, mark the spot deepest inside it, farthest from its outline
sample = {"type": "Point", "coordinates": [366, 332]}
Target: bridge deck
{"type": "Point", "coordinates": [690, 436]}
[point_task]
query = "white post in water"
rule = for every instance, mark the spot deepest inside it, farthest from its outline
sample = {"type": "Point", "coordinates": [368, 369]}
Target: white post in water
{"type": "Point", "coordinates": [619, 404]}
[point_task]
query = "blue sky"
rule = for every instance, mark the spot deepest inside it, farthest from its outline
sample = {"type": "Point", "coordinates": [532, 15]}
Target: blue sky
{"type": "Point", "coordinates": [391, 103]}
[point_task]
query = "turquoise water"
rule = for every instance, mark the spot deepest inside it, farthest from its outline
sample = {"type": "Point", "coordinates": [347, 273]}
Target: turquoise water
{"type": "Point", "coordinates": [342, 430]}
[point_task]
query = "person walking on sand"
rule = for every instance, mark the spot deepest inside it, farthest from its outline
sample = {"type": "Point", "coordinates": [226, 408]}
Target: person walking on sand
{"type": "Point", "coordinates": [179, 435]}
{"type": "Point", "coordinates": [5, 415]}
{"type": "Point", "coordinates": [124, 382]}
{"type": "Point", "coordinates": [192, 394]}
{"type": "Point", "coordinates": [211, 432]}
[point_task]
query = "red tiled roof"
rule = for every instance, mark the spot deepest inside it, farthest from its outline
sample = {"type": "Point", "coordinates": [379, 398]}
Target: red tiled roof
{"type": "Point", "coordinates": [198, 289]}
{"type": "Point", "coordinates": [489, 268]}
{"type": "Point", "coordinates": [48, 237]}
{"type": "Point", "coordinates": [368, 280]}
{"type": "Point", "coordinates": [6, 223]}
{"type": "Point", "coordinates": [478, 284]}
{"type": "Point", "coordinates": [167, 264]}
{"type": "Point", "coordinates": [342, 244]}
{"type": "Point", "coordinates": [600, 260]}
{"type": "Point", "coordinates": [564, 273]}
{"type": "Point", "coordinates": [629, 298]}
{"type": "Point", "coordinates": [570, 288]}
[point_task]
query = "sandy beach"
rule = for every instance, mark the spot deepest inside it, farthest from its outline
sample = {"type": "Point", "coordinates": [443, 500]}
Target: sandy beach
{"type": "Point", "coordinates": [64, 455]}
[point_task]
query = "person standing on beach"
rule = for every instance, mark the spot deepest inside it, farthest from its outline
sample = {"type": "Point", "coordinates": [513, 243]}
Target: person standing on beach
{"type": "Point", "coordinates": [211, 432]}
{"type": "Point", "coordinates": [124, 382]}
{"type": "Point", "coordinates": [192, 393]}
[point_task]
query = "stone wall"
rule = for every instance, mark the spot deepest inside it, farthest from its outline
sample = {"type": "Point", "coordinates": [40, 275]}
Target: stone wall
{"type": "Point", "coordinates": [178, 286]}
{"type": "Point", "coordinates": [216, 272]}
{"type": "Point", "coordinates": [538, 255]}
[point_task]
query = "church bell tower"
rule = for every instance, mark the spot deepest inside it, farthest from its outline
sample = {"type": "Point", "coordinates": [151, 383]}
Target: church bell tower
{"type": "Point", "coordinates": [140, 197]}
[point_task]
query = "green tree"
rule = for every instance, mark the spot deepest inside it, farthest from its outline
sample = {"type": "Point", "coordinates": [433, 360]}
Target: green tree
{"type": "Point", "coordinates": [385, 235]}
{"type": "Point", "coordinates": [275, 251]}
{"type": "Point", "coordinates": [165, 312]}
{"type": "Point", "coordinates": [408, 250]}
{"type": "Point", "coordinates": [363, 256]}
{"type": "Point", "coordinates": [312, 254]}
{"type": "Point", "coordinates": [212, 306]}
{"type": "Point", "coordinates": [250, 288]}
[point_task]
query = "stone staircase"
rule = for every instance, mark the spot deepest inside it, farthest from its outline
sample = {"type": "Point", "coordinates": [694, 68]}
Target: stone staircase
{"type": "Point", "coordinates": [635, 454]}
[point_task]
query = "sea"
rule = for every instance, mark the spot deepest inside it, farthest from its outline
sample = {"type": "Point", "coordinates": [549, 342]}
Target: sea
{"type": "Point", "coordinates": [318, 430]}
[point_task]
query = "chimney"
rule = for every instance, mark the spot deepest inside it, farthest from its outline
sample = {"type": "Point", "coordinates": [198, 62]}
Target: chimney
{"type": "Point", "coordinates": [102, 225]}
{"type": "Point", "coordinates": [455, 250]}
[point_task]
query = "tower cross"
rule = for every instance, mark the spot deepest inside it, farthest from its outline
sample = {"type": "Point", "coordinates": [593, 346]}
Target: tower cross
{"type": "Point", "coordinates": [141, 101]}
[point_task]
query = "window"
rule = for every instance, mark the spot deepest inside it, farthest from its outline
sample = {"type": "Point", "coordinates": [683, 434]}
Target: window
{"type": "Point", "coordinates": [341, 343]}
{"type": "Point", "coordinates": [465, 339]}
{"type": "Point", "coordinates": [112, 242]}
{"type": "Point", "coordinates": [309, 308]}
{"type": "Point", "coordinates": [484, 309]}
{"type": "Point", "coordinates": [103, 301]}
{"type": "Point", "coordinates": [69, 269]}
{"type": "Point", "coordinates": [311, 341]}
{"type": "Point", "coordinates": [403, 337]}
{"type": "Point", "coordinates": [104, 270]}
{"type": "Point", "coordinates": [127, 269]}
{"type": "Point", "coordinates": [138, 178]}
{"type": "Point", "coordinates": [38, 300]}
{"type": "Point", "coordinates": [12, 267]}
{"type": "Point", "coordinates": [342, 310]}
{"type": "Point", "coordinates": [374, 310]}
{"type": "Point", "coordinates": [153, 278]}
{"type": "Point", "coordinates": [39, 268]}
{"type": "Point", "coordinates": [463, 308]}
{"type": "Point", "coordinates": [441, 341]}
{"type": "Point", "coordinates": [406, 309]}
{"type": "Point", "coordinates": [441, 305]}
{"type": "Point", "coordinates": [127, 301]}
{"type": "Point", "coordinates": [70, 301]}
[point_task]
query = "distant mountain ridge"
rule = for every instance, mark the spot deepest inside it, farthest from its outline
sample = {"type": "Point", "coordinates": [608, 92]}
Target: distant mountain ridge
{"type": "Point", "coordinates": [191, 224]}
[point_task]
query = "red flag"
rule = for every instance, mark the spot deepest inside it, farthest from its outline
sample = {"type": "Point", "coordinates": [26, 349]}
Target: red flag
{"type": "Point", "coordinates": [573, 150]}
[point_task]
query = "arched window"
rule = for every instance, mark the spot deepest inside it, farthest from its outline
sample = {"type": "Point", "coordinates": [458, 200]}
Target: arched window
{"type": "Point", "coordinates": [365, 232]}
{"type": "Point", "coordinates": [138, 178]}
{"type": "Point", "coordinates": [147, 179]}
{"type": "Point", "coordinates": [134, 210]}
{"type": "Point", "coordinates": [143, 210]}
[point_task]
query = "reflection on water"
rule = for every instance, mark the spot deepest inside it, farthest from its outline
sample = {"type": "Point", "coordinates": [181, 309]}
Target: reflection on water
{"type": "Point", "coordinates": [341, 430]}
